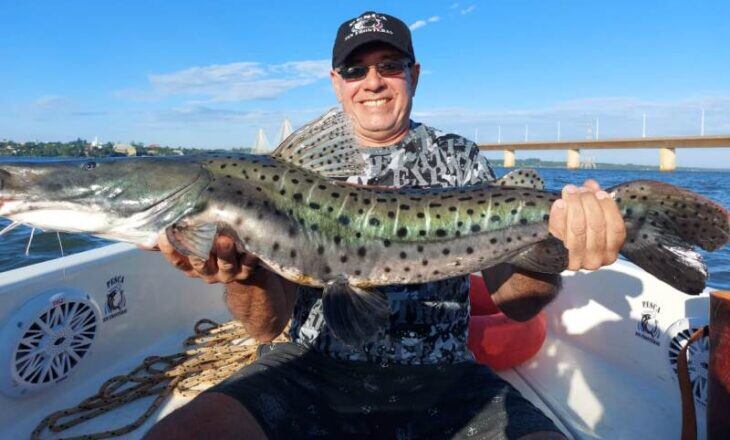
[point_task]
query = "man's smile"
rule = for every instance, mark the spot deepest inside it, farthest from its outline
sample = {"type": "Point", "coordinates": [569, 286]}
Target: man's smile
{"type": "Point", "coordinates": [375, 102]}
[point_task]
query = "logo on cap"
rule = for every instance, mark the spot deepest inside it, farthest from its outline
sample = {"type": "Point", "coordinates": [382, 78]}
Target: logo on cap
{"type": "Point", "coordinates": [368, 23]}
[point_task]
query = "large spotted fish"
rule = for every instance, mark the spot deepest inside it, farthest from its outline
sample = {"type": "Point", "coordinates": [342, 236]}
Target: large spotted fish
{"type": "Point", "coordinates": [348, 240]}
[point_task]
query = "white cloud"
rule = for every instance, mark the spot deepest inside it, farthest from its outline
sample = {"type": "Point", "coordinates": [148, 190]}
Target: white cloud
{"type": "Point", "coordinates": [241, 81]}
{"type": "Point", "coordinates": [51, 102]}
{"type": "Point", "coordinates": [417, 24]}
{"type": "Point", "coordinates": [454, 6]}
{"type": "Point", "coordinates": [468, 10]}
{"type": "Point", "coordinates": [421, 23]}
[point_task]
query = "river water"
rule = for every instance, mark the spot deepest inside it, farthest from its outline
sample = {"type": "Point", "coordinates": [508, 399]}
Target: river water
{"type": "Point", "coordinates": [713, 184]}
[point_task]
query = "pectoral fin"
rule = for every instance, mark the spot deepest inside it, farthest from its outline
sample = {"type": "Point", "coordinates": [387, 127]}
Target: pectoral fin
{"type": "Point", "coordinates": [354, 314]}
{"type": "Point", "coordinates": [192, 239]}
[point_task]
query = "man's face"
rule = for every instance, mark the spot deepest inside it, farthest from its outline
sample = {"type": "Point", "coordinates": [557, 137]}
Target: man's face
{"type": "Point", "coordinates": [380, 106]}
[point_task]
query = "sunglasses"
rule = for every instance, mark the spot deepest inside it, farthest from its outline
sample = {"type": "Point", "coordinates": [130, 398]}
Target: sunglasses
{"type": "Point", "coordinates": [384, 68]}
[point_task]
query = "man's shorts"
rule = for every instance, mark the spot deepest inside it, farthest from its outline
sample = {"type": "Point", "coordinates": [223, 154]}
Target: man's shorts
{"type": "Point", "coordinates": [294, 392]}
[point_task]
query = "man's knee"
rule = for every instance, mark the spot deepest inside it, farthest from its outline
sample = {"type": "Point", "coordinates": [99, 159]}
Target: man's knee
{"type": "Point", "coordinates": [210, 415]}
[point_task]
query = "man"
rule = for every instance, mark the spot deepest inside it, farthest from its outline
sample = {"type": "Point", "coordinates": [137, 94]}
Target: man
{"type": "Point", "coordinates": [416, 378]}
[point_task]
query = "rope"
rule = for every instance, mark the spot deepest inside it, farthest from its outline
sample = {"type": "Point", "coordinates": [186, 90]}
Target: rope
{"type": "Point", "coordinates": [216, 351]}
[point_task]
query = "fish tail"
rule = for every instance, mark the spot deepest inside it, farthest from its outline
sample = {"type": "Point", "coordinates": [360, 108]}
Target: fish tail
{"type": "Point", "coordinates": [353, 314]}
{"type": "Point", "coordinates": [663, 224]}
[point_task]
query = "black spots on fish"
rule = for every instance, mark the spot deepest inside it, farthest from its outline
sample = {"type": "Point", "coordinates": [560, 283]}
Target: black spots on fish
{"type": "Point", "coordinates": [282, 191]}
{"type": "Point", "coordinates": [422, 233]}
{"type": "Point", "coordinates": [293, 253]}
{"type": "Point", "coordinates": [211, 189]}
{"type": "Point", "coordinates": [386, 269]}
{"type": "Point", "coordinates": [434, 205]}
{"type": "Point", "coordinates": [509, 200]}
{"type": "Point", "coordinates": [297, 196]}
{"type": "Point", "coordinates": [320, 250]}
{"type": "Point", "coordinates": [420, 215]}
{"type": "Point", "coordinates": [523, 221]}
{"type": "Point", "coordinates": [513, 212]}
{"type": "Point", "coordinates": [509, 239]}
{"type": "Point", "coordinates": [530, 203]}
{"type": "Point", "coordinates": [381, 200]}
{"type": "Point", "coordinates": [362, 251]}
{"type": "Point", "coordinates": [330, 209]}
{"type": "Point", "coordinates": [452, 208]}
{"type": "Point", "coordinates": [470, 211]}
{"type": "Point", "coordinates": [469, 250]}
{"type": "Point", "coordinates": [275, 178]}
{"type": "Point", "coordinates": [334, 194]}
{"type": "Point", "coordinates": [475, 228]}
{"type": "Point", "coordinates": [387, 243]}
{"type": "Point", "coordinates": [275, 247]}
{"type": "Point", "coordinates": [495, 218]}
{"type": "Point", "coordinates": [424, 263]}
{"type": "Point", "coordinates": [406, 269]}
{"type": "Point", "coordinates": [403, 255]}
{"type": "Point", "coordinates": [459, 223]}
{"type": "Point", "coordinates": [295, 181]}
{"type": "Point", "coordinates": [391, 214]}
{"type": "Point", "coordinates": [343, 259]}
{"type": "Point", "coordinates": [293, 230]}
{"type": "Point", "coordinates": [344, 220]}
{"type": "Point", "coordinates": [327, 269]}
{"type": "Point", "coordinates": [436, 272]}
{"type": "Point", "coordinates": [258, 188]}
{"type": "Point", "coordinates": [464, 199]}
{"type": "Point", "coordinates": [374, 221]}
{"type": "Point", "coordinates": [314, 205]}
{"type": "Point", "coordinates": [322, 187]}
{"type": "Point", "coordinates": [493, 240]}
{"type": "Point", "coordinates": [628, 213]}
{"type": "Point", "coordinates": [440, 232]}
{"type": "Point", "coordinates": [632, 196]}
{"type": "Point", "coordinates": [402, 232]}
{"type": "Point", "coordinates": [546, 217]}
{"type": "Point", "coordinates": [337, 239]}
{"type": "Point", "coordinates": [314, 227]}
{"type": "Point", "coordinates": [446, 251]}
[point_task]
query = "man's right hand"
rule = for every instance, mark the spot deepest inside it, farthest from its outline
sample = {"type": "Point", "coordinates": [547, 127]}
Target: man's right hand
{"type": "Point", "coordinates": [225, 264]}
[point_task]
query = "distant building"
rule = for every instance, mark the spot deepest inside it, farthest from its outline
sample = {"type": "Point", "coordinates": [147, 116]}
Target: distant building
{"type": "Point", "coordinates": [125, 149]}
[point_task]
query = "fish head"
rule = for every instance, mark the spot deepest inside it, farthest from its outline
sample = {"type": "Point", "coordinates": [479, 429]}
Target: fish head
{"type": "Point", "coordinates": [105, 197]}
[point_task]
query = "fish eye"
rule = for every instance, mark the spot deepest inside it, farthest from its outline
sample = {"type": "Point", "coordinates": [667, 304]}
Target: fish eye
{"type": "Point", "coordinates": [90, 165]}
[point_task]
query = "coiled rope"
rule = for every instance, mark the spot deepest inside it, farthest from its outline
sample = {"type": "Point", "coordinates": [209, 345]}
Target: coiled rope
{"type": "Point", "coordinates": [216, 351]}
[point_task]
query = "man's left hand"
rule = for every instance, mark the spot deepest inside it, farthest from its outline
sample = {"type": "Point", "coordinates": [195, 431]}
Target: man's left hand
{"type": "Point", "coordinates": [590, 225]}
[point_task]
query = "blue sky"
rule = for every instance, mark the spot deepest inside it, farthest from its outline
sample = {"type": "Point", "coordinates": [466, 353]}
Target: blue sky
{"type": "Point", "coordinates": [212, 73]}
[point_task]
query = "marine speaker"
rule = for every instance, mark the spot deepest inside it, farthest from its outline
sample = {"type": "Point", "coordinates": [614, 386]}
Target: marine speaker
{"type": "Point", "coordinates": [46, 339]}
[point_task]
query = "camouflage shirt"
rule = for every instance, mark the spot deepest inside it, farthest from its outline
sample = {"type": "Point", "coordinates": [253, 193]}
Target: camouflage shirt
{"type": "Point", "coordinates": [428, 322]}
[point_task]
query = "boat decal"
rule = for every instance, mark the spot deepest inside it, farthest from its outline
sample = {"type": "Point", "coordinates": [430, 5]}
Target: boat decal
{"type": "Point", "coordinates": [116, 301]}
{"type": "Point", "coordinates": [648, 326]}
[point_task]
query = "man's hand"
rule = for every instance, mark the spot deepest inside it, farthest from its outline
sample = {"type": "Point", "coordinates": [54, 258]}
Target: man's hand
{"type": "Point", "coordinates": [224, 265]}
{"type": "Point", "coordinates": [590, 225]}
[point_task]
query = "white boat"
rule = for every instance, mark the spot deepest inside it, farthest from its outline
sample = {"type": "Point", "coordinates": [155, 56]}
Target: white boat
{"type": "Point", "coordinates": [606, 370]}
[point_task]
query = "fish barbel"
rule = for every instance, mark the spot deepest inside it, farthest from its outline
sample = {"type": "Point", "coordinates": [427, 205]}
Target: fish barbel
{"type": "Point", "coordinates": [347, 239]}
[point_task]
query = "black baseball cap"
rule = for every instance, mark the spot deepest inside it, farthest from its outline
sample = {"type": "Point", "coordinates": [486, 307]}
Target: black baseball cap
{"type": "Point", "coordinates": [367, 28]}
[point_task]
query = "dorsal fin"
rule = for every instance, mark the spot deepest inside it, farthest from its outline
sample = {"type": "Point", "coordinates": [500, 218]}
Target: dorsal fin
{"type": "Point", "coordinates": [326, 146]}
{"type": "Point", "coordinates": [522, 178]}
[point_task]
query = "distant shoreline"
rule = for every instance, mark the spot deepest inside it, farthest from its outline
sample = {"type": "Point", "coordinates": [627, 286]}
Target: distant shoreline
{"type": "Point", "coordinates": [82, 148]}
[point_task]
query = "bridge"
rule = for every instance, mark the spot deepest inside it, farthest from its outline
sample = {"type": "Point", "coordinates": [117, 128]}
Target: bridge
{"type": "Point", "coordinates": [666, 146]}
